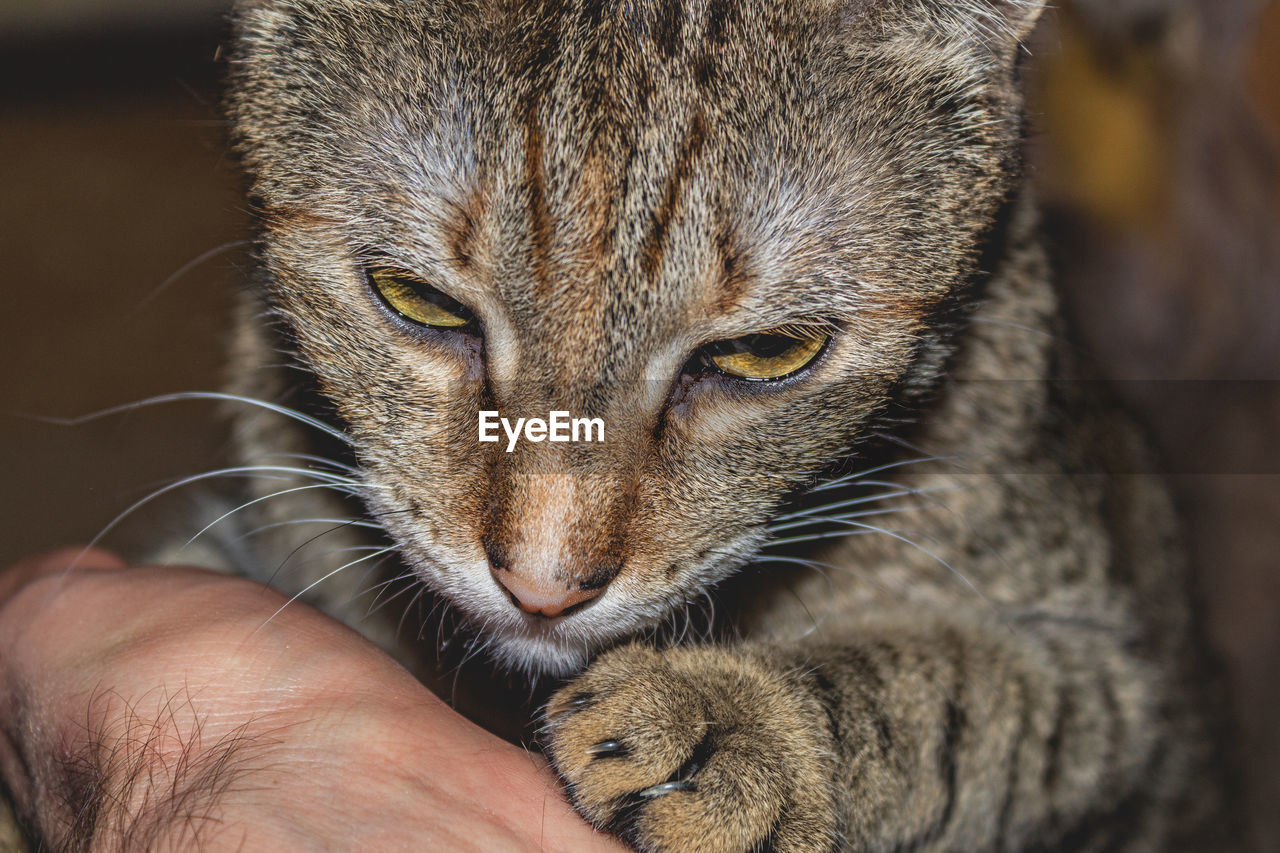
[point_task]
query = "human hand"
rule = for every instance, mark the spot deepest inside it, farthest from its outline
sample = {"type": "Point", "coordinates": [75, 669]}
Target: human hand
{"type": "Point", "coordinates": [167, 708]}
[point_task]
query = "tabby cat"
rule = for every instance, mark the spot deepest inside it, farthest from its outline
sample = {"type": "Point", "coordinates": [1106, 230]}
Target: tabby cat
{"type": "Point", "coordinates": [859, 564]}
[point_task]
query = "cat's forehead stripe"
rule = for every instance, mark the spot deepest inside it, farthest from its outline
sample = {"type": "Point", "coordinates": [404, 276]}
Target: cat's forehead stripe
{"type": "Point", "coordinates": [681, 174]}
{"type": "Point", "coordinates": [540, 226]}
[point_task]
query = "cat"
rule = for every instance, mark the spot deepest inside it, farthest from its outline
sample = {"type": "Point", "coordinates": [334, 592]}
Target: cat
{"type": "Point", "coordinates": [860, 564]}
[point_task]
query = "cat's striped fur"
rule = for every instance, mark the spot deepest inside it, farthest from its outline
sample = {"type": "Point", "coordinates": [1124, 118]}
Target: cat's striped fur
{"type": "Point", "coordinates": [996, 654]}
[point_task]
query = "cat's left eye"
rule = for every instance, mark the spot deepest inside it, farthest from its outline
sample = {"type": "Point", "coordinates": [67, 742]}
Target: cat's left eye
{"type": "Point", "coordinates": [766, 356]}
{"type": "Point", "coordinates": [419, 302]}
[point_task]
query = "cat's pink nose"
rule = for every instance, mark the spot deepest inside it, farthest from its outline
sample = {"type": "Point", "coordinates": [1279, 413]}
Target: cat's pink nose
{"type": "Point", "coordinates": [547, 600]}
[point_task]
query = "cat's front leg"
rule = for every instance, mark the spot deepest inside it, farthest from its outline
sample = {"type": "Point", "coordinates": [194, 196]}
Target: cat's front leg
{"type": "Point", "coordinates": [697, 750]}
{"type": "Point", "coordinates": [913, 731]}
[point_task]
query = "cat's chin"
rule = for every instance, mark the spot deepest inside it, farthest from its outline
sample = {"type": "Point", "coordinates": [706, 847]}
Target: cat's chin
{"type": "Point", "coordinates": [539, 655]}
{"type": "Point", "coordinates": [558, 648]}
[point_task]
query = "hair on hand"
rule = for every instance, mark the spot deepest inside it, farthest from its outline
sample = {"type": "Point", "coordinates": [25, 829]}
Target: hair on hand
{"type": "Point", "coordinates": [135, 774]}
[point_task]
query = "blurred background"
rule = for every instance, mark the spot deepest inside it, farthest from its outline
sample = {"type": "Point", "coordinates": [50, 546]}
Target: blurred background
{"type": "Point", "coordinates": [122, 245]}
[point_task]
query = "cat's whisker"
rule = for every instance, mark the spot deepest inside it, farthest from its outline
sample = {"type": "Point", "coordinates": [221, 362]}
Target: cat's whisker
{"type": "Point", "coordinates": [415, 600]}
{"type": "Point", "coordinates": [339, 522]}
{"type": "Point", "coordinates": [355, 549]}
{"type": "Point", "coordinates": [683, 614]}
{"type": "Point", "coordinates": [915, 490]}
{"type": "Point", "coordinates": [860, 475]}
{"type": "Point", "coordinates": [711, 614]}
{"type": "Point", "coordinates": [816, 537]}
{"type": "Point", "coordinates": [991, 321]}
{"type": "Point", "coordinates": [344, 524]}
{"type": "Point", "coordinates": [815, 565]}
{"type": "Point", "coordinates": [810, 512]}
{"type": "Point", "coordinates": [469, 646]}
{"type": "Point", "coordinates": [442, 642]}
{"type": "Point", "coordinates": [899, 441]}
{"type": "Point", "coordinates": [923, 550]}
{"type": "Point", "coordinates": [339, 487]}
{"type": "Point", "coordinates": [271, 472]}
{"type": "Point", "coordinates": [929, 494]}
{"type": "Point", "coordinates": [475, 645]}
{"type": "Point", "coordinates": [377, 553]}
{"type": "Point", "coordinates": [186, 268]}
{"type": "Point", "coordinates": [320, 557]}
{"type": "Point", "coordinates": [899, 490]}
{"type": "Point", "coordinates": [824, 568]}
{"type": "Point", "coordinates": [182, 396]}
{"type": "Point", "coordinates": [370, 570]}
{"type": "Point", "coordinates": [814, 622]}
{"type": "Point", "coordinates": [350, 470]}
{"type": "Point", "coordinates": [837, 518]}
{"type": "Point", "coordinates": [378, 602]}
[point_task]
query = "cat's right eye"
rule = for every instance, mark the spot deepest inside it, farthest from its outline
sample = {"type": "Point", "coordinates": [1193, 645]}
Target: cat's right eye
{"type": "Point", "coordinates": [767, 356]}
{"type": "Point", "coordinates": [419, 302]}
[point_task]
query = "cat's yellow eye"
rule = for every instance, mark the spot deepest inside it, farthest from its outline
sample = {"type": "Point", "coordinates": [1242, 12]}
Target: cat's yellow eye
{"type": "Point", "coordinates": [418, 301]}
{"type": "Point", "coordinates": [768, 355]}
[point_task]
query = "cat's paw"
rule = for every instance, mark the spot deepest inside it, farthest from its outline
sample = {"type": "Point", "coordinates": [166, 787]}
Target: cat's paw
{"type": "Point", "coordinates": [697, 750]}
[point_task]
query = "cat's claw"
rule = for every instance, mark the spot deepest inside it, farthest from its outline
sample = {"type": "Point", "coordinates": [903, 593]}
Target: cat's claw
{"type": "Point", "coordinates": [666, 788]}
{"type": "Point", "coordinates": [572, 705]}
{"type": "Point", "coordinates": [606, 749]}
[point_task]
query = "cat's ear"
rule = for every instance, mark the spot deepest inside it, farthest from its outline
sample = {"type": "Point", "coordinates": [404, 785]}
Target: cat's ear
{"type": "Point", "coordinates": [1000, 25]}
{"type": "Point", "coordinates": [1013, 19]}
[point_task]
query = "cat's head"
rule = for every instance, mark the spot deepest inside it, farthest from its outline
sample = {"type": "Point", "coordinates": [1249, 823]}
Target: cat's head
{"type": "Point", "coordinates": [729, 230]}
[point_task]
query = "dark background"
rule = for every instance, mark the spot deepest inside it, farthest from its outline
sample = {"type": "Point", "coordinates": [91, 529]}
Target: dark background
{"type": "Point", "coordinates": [121, 229]}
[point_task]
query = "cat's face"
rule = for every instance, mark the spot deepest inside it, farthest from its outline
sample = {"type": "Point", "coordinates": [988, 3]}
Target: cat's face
{"type": "Point", "coordinates": [600, 195]}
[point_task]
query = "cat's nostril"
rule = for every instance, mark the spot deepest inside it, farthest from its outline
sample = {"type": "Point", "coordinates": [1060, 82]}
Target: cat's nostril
{"type": "Point", "coordinates": [599, 579]}
{"type": "Point", "coordinates": [542, 599]}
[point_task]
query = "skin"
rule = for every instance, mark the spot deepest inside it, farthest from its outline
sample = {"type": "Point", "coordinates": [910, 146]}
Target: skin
{"type": "Point", "coordinates": [187, 662]}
